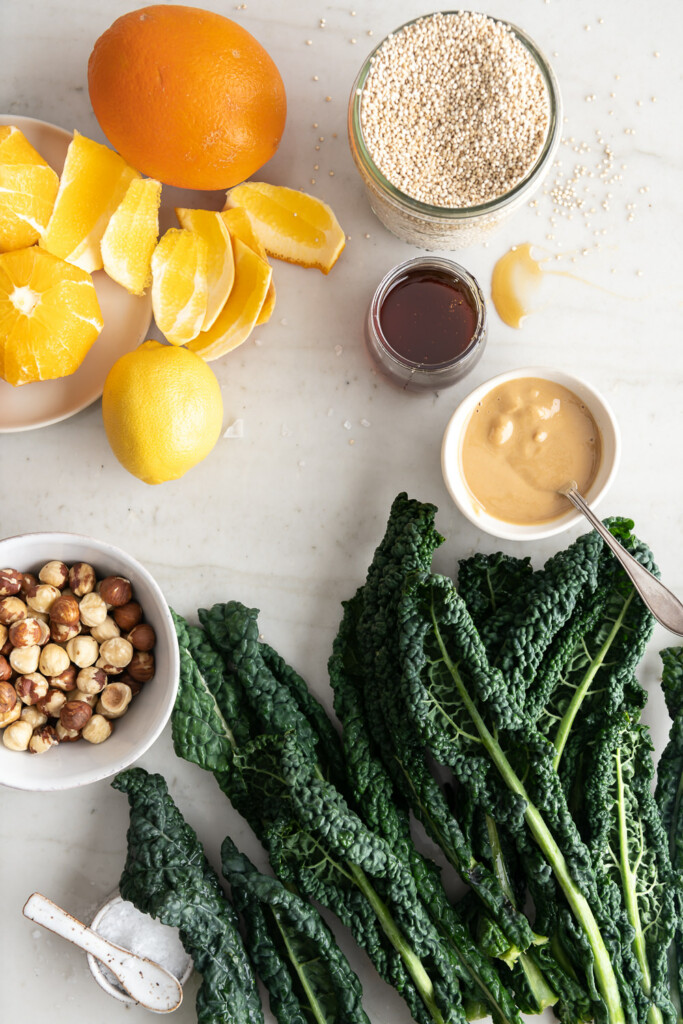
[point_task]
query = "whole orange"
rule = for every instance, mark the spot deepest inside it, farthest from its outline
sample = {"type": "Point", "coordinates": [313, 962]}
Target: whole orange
{"type": "Point", "coordinates": [187, 96]}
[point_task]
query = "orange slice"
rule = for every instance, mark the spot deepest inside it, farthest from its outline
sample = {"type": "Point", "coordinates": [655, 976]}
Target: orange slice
{"type": "Point", "coordinates": [221, 264]}
{"type": "Point", "coordinates": [93, 183]}
{"type": "Point", "coordinates": [240, 225]}
{"type": "Point", "coordinates": [180, 285]}
{"type": "Point", "coordinates": [292, 226]}
{"type": "Point", "coordinates": [239, 314]}
{"type": "Point", "coordinates": [28, 187]}
{"type": "Point", "coordinates": [49, 316]}
{"type": "Point", "coordinates": [131, 236]}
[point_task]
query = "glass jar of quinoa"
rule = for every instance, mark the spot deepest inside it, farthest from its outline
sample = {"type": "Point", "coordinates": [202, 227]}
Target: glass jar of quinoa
{"type": "Point", "coordinates": [453, 121]}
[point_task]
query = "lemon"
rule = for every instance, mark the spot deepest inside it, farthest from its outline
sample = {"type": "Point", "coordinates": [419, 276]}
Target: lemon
{"type": "Point", "coordinates": [162, 411]}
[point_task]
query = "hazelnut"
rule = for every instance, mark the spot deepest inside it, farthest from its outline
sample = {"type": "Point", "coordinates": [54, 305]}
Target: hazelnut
{"type": "Point", "coordinates": [61, 634]}
{"type": "Point", "coordinates": [31, 687]}
{"type": "Point", "coordinates": [128, 615]}
{"type": "Point", "coordinates": [97, 730]}
{"type": "Point", "coordinates": [42, 740]}
{"type": "Point", "coordinates": [93, 610]}
{"type": "Point", "coordinates": [6, 649]}
{"type": "Point", "coordinates": [53, 660]}
{"type": "Point", "coordinates": [141, 666]}
{"type": "Point", "coordinates": [10, 582]}
{"type": "Point", "coordinates": [28, 581]}
{"type": "Point", "coordinates": [27, 632]}
{"type": "Point", "coordinates": [32, 714]}
{"type": "Point", "coordinates": [11, 610]}
{"type": "Point", "coordinates": [107, 631]}
{"type": "Point", "coordinates": [115, 653]}
{"type": "Point", "coordinates": [91, 679]}
{"type": "Point", "coordinates": [115, 590]}
{"type": "Point", "coordinates": [24, 659]}
{"type": "Point", "coordinates": [83, 650]}
{"type": "Point", "coordinates": [55, 573]}
{"type": "Point", "coordinates": [66, 680]}
{"type": "Point", "coordinates": [87, 698]}
{"type": "Point", "coordinates": [17, 735]}
{"type": "Point", "coordinates": [75, 714]}
{"type": "Point", "coordinates": [52, 703]}
{"type": "Point", "coordinates": [65, 610]}
{"type": "Point", "coordinates": [8, 697]}
{"type": "Point", "coordinates": [142, 637]}
{"type": "Point", "coordinates": [134, 684]}
{"type": "Point", "coordinates": [7, 717]}
{"type": "Point", "coordinates": [42, 597]}
{"type": "Point", "coordinates": [66, 735]}
{"type": "Point", "coordinates": [5, 668]}
{"type": "Point", "coordinates": [4, 633]}
{"type": "Point", "coordinates": [82, 578]}
{"type": "Point", "coordinates": [114, 700]}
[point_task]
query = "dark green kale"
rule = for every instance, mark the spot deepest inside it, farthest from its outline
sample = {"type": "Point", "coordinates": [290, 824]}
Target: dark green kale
{"type": "Point", "coordinates": [669, 797]}
{"type": "Point", "coordinates": [308, 978]}
{"type": "Point", "coordinates": [168, 876]}
{"type": "Point", "coordinates": [274, 759]}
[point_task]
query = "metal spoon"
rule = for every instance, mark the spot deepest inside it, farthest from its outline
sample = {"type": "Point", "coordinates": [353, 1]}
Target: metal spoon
{"type": "Point", "coordinates": [664, 605]}
{"type": "Point", "coordinates": [146, 981]}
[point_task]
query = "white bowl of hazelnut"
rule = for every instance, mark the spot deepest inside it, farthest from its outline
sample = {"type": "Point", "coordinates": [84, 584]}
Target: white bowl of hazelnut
{"type": "Point", "coordinates": [88, 660]}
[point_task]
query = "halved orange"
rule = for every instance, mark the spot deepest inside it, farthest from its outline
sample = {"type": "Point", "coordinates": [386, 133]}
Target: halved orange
{"type": "Point", "coordinates": [28, 186]}
{"type": "Point", "coordinates": [49, 316]}
{"type": "Point", "coordinates": [180, 285]}
{"type": "Point", "coordinates": [93, 183]}
{"type": "Point", "coordinates": [291, 225]}
{"type": "Point", "coordinates": [131, 236]}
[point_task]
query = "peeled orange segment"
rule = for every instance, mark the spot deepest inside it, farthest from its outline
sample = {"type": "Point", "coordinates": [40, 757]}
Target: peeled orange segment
{"type": "Point", "coordinates": [221, 264]}
{"type": "Point", "coordinates": [292, 226]}
{"type": "Point", "coordinates": [239, 314]}
{"type": "Point", "coordinates": [180, 285]}
{"type": "Point", "coordinates": [131, 236]}
{"type": "Point", "coordinates": [93, 183]}
{"type": "Point", "coordinates": [49, 316]}
{"type": "Point", "coordinates": [267, 307]}
{"type": "Point", "coordinates": [28, 187]}
{"type": "Point", "coordinates": [240, 225]}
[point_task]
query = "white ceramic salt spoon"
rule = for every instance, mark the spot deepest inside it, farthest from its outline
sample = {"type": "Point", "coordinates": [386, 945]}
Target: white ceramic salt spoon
{"type": "Point", "coordinates": [146, 981]}
{"type": "Point", "coordinates": [664, 605]}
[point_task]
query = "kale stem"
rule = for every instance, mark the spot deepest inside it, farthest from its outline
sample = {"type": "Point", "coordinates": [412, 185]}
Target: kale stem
{"type": "Point", "coordinates": [604, 972]}
{"type": "Point", "coordinates": [581, 691]}
{"type": "Point", "coordinates": [313, 1003]}
{"type": "Point", "coordinates": [414, 965]}
{"type": "Point", "coordinates": [654, 1015]}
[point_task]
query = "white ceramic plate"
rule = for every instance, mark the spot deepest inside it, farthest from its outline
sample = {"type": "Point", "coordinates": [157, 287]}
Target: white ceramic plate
{"type": "Point", "coordinates": [126, 321]}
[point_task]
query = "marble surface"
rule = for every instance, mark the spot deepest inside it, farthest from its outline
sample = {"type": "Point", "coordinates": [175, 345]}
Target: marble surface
{"type": "Point", "coordinates": [286, 517]}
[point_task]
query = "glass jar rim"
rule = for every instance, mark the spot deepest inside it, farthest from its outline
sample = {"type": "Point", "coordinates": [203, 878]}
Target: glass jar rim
{"type": "Point", "coordinates": [427, 210]}
{"type": "Point", "coordinates": [462, 276]}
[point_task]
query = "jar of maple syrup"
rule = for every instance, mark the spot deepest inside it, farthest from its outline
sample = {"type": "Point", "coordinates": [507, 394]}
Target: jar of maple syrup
{"type": "Point", "coordinates": [426, 325]}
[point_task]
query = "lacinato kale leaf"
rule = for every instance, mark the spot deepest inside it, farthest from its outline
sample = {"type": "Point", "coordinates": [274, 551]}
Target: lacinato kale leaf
{"type": "Point", "coordinates": [308, 978]}
{"type": "Point", "coordinates": [168, 876]}
{"type": "Point", "coordinates": [669, 797]}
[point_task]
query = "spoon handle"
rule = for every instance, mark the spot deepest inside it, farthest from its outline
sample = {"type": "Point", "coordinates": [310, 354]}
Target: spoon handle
{"type": "Point", "coordinates": [146, 981]}
{"type": "Point", "coordinates": [664, 605]}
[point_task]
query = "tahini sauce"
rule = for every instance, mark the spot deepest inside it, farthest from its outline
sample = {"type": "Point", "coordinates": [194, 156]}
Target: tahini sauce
{"type": "Point", "coordinates": [525, 440]}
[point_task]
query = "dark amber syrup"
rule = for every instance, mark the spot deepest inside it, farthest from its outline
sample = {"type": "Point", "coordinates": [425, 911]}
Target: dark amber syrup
{"type": "Point", "coordinates": [428, 318]}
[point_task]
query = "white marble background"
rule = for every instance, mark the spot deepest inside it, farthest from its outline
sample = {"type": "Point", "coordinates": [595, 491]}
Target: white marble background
{"type": "Point", "coordinates": [287, 517]}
